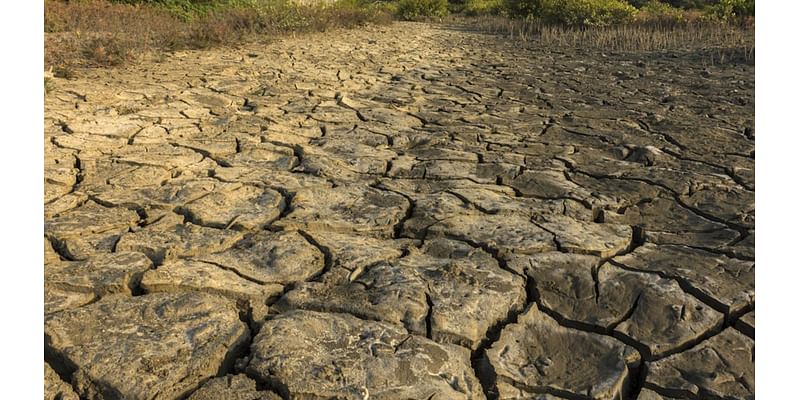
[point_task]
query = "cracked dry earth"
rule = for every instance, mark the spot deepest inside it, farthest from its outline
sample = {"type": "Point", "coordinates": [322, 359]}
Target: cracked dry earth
{"type": "Point", "coordinates": [401, 212]}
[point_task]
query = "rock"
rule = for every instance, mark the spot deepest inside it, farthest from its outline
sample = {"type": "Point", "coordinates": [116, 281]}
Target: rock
{"type": "Point", "coordinates": [641, 307]}
{"type": "Point", "coordinates": [347, 209]}
{"type": "Point", "coordinates": [354, 253]}
{"type": "Point", "coordinates": [646, 155]}
{"type": "Point", "coordinates": [502, 233]}
{"type": "Point", "coordinates": [277, 180]}
{"type": "Point", "coordinates": [89, 229]}
{"type": "Point", "coordinates": [100, 275]}
{"type": "Point", "coordinates": [547, 184]}
{"type": "Point", "coordinates": [55, 388]}
{"type": "Point", "coordinates": [666, 222]}
{"type": "Point", "coordinates": [161, 345]}
{"type": "Point", "coordinates": [662, 317]}
{"type": "Point", "coordinates": [727, 284]}
{"type": "Point", "coordinates": [310, 355]}
{"type": "Point", "coordinates": [56, 299]}
{"type": "Point", "coordinates": [604, 240]}
{"type": "Point", "coordinates": [450, 291]}
{"type": "Point", "coordinates": [90, 218]}
{"type": "Point", "coordinates": [264, 156]}
{"type": "Point", "coordinates": [734, 206]}
{"type": "Point", "coordinates": [720, 367]}
{"type": "Point", "coordinates": [245, 207]}
{"type": "Point", "coordinates": [271, 257]}
{"type": "Point", "coordinates": [536, 355]}
{"type": "Point", "coordinates": [232, 387]}
{"type": "Point", "coordinates": [63, 204]}
{"type": "Point", "coordinates": [187, 276]}
{"type": "Point", "coordinates": [647, 394]}
{"type": "Point", "coordinates": [162, 241]}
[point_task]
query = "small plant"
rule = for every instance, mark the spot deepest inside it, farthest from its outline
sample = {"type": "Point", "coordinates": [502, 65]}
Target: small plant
{"type": "Point", "coordinates": [417, 9]}
{"type": "Point", "coordinates": [106, 50]}
{"type": "Point", "coordinates": [64, 72]}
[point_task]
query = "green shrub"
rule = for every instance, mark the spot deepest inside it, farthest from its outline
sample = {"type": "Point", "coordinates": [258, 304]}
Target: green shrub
{"type": "Point", "coordinates": [416, 9]}
{"type": "Point", "coordinates": [576, 12]}
{"type": "Point", "coordinates": [727, 9]}
{"type": "Point", "coordinates": [191, 9]}
{"type": "Point", "coordinates": [484, 7]}
{"type": "Point", "coordinates": [654, 10]}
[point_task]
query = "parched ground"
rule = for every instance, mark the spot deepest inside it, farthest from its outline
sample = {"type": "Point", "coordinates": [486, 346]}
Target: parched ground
{"type": "Point", "coordinates": [403, 212]}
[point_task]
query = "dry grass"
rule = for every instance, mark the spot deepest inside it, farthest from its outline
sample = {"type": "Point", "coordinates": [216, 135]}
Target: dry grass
{"type": "Point", "coordinates": [720, 42]}
{"type": "Point", "coordinates": [99, 33]}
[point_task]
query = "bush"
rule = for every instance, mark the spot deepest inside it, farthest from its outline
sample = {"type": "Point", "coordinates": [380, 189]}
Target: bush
{"type": "Point", "coordinates": [728, 9]}
{"type": "Point", "coordinates": [416, 9]}
{"type": "Point", "coordinates": [657, 11]}
{"type": "Point", "coordinates": [484, 7]}
{"type": "Point", "coordinates": [576, 12]}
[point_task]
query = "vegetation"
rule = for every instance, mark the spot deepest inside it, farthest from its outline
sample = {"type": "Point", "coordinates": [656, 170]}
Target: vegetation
{"type": "Point", "coordinates": [107, 33]}
{"type": "Point", "coordinates": [417, 9]}
{"type": "Point", "coordinates": [111, 32]}
{"type": "Point", "coordinates": [576, 12]}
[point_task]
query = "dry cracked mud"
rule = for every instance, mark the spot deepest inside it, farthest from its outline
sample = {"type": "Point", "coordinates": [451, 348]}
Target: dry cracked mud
{"type": "Point", "coordinates": [413, 211]}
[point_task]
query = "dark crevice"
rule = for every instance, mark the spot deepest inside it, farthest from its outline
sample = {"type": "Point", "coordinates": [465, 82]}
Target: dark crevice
{"type": "Point", "coordinates": [688, 288]}
{"type": "Point", "coordinates": [59, 247]}
{"type": "Point", "coordinates": [326, 254]}
{"type": "Point", "coordinates": [429, 317]}
{"type": "Point", "coordinates": [638, 376]}
{"type": "Point", "coordinates": [398, 227]}
{"type": "Point", "coordinates": [235, 271]}
{"type": "Point", "coordinates": [62, 366]}
{"type": "Point", "coordinates": [743, 230]}
{"type": "Point", "coordinates": [484, 370]}
{"type": "Point", "coordinates": [495, 253]}
{"type": "Point", "coordinates": [643, 350]}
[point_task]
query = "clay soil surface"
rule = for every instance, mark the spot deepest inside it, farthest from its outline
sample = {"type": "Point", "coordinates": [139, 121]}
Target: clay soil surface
{"type": "Point", "coordinates": [404, 212]}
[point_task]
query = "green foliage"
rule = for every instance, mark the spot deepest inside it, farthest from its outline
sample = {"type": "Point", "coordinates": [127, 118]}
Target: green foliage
{"type": "Point", "coordinates": [576, 12]}
{"type": "Point", "coordinates": [191, 9]}
{"type": "Point", "coordinates": [484, 7]}
{"type": "Point", "coordinates": [416, 9]}
{"type": "Point", "coordinates": [728, 9]}
{"type": "Point", "coordinates": [658, 11]}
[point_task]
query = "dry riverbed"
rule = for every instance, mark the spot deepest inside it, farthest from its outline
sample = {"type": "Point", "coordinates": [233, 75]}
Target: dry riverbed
{"type": "Point", "coordinates": [401, 212]}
